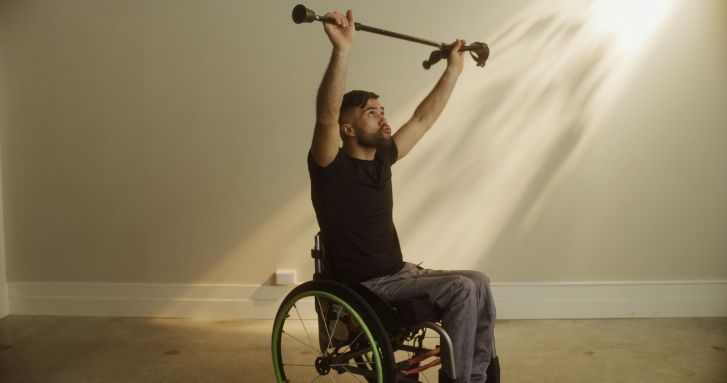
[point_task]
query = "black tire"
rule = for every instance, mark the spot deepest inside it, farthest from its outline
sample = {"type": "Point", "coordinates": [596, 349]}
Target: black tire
{"type": "Point", "coordinates": [328, 345]}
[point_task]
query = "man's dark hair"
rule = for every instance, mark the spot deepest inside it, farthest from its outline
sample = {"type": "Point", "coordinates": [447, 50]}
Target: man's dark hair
{"type": "Point", "coordinates": [355, 98]}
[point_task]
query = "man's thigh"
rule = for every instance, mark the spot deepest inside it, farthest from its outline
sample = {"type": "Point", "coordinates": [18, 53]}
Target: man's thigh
{"type": "Point", "coordinates": [473, 275]}
{"type": "Point", "coordinates": [411, 282]}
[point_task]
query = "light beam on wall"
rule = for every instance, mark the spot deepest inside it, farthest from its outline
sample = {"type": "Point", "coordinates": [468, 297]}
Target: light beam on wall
{"type": "Point", "coordinates": [512, 130]}
{"type": "Point", "coordinates": [629, 24]}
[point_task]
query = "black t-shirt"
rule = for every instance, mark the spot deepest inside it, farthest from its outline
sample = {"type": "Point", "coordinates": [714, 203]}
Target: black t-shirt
{"type": "Point", "coordinates": [353, 203]}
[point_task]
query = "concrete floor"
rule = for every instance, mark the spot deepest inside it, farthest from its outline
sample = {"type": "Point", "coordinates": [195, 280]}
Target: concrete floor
{"type": "Point", "coordinates": [73, 349]}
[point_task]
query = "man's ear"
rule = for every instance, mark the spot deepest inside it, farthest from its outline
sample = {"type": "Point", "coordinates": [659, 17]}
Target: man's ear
{"type": "Point", "coordinates": [347, 129]}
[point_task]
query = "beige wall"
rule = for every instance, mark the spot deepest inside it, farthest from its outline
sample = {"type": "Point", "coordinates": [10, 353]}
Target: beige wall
{"type": "Point", "coordinates": [3, 274]}
{"type": "Point", "coordinates": [3, 128]}
{"type": "Point", "coordinates": [165, 141]}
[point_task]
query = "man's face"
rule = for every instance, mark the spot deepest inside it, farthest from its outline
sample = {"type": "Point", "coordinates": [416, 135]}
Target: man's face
{"type": "Point", "coordinates": [370, 125]}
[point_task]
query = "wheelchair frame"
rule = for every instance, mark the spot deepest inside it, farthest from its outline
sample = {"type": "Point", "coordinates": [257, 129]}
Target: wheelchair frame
{"type": "Point", "coordinates": [365, 336]}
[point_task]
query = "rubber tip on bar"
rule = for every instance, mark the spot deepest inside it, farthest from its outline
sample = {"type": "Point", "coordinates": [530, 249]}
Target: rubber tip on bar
{"type": "Point", "coordinates": [301, 14]}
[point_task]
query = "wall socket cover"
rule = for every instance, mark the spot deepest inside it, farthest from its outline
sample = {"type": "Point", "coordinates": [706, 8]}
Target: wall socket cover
{"type": "Point", "coordinates": [285, 277]}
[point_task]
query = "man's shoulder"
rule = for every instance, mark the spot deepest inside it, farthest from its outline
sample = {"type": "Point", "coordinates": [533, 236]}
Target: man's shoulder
{"type": "Point", "coordinates": [313, 162]}
{"type": "Point", "coordinates": [388, 153]}
{"type": "Point", "coordinates": [315, 169]}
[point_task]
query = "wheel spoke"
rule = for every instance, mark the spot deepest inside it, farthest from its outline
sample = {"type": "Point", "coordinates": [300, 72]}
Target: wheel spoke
{"type": "Point", "coordinates": [301, 342]}
{"type": "Point", "coordinates": [356, 377]}
{"type": "Point", "coordinates": [335, 324]}
{"type": "Point", "coordinates": [303, 323]}
{"type": "Point", "coordinates": [348, 346]}
{"type": "Point", "coordinates": [298, 365]}
{"type": "Point", "coordinates": [350, 364]}
{"type": "Point", "coordinates": [325, 321]}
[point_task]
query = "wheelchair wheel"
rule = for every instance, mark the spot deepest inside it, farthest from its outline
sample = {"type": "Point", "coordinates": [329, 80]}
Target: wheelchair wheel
{"type": "Point", "coordinates": [323, 332]}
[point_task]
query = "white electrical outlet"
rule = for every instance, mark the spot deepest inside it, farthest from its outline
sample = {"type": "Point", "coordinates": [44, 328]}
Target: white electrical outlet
{"type": "Point", "coordinates": [284, 277]}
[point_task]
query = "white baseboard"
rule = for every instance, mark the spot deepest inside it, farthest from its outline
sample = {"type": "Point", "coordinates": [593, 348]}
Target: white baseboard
{"type": "Point", "coordinates": [4, 311]}
{"type": "Point", "coordinates": [676, 299]}
{"type": "Point", "coordinates": [146, 300]}
{"type": "Point", "coordinates": [514, 300]}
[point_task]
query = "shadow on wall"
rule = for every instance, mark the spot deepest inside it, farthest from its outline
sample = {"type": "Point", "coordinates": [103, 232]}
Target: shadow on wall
{"type": "Point", "coordinates": [508, 135]}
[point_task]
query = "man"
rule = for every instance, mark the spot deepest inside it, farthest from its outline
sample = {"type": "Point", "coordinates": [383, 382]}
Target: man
{"type": "Point", "coordinates": [352, 196]}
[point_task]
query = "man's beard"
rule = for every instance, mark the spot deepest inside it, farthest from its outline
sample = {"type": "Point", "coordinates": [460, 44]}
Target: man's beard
{"type": "Point", "coordinates": [377, 140]}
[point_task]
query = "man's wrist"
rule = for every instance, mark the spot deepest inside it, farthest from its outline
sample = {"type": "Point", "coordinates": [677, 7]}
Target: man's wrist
{"type": "Point", "coordinates": [453, 70]}
{"type": "Point", "coordinates": [341, 51]}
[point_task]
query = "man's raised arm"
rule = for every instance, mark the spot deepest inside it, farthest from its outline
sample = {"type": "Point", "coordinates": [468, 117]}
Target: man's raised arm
{"type": "Point", "coordinates": [431, 107]}
{"type": "Point", "coordinates": [326, 136]}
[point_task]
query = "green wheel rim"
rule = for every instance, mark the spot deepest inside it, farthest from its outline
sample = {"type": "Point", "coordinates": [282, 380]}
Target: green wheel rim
{"type": "Point", "coordinates": [285, 309]}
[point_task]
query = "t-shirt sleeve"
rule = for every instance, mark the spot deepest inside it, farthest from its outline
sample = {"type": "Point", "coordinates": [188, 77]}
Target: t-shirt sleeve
{"type": "Point", "coordinates": [392, 152]}
{"type": "Point", "coordinates": [318, 172]}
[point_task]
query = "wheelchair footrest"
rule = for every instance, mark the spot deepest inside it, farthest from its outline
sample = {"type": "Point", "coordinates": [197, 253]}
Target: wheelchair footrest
{"type": "Point", "coordinates": [405, 365]}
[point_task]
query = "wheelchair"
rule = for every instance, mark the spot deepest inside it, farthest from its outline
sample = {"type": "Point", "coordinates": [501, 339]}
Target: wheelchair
{"type": "Point", "coordinates": [333, 330]}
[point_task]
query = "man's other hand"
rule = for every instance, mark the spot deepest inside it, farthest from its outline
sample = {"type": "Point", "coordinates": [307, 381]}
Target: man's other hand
{"type": "Point", "coordinates": [342, 32]}
{"type": "Point", "coordinates": [455, 60]}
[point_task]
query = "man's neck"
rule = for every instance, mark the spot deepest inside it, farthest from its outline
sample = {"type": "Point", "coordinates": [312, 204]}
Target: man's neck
{"type": "Point", "coordinates": [360, 152]}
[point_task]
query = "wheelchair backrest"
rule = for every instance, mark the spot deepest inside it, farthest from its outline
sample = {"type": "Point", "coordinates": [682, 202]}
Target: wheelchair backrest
{"type": "Point", "coordinates": [318, 253]}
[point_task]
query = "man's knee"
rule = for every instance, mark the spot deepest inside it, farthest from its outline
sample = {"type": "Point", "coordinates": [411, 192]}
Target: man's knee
{"type": "Point", "coordinates": [457, 289]}
{"type": "Point", "coordinates": [465, 286]}
{"type": "Point", "coordinates": [480, 279]}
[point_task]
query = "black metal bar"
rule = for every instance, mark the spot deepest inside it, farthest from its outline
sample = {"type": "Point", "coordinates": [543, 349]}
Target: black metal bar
{"type": "Point", "coordinates": [379, 31]}
{"type": "Point", "coordinates": [479, 51]}
{"type": "Point", "coordinates": [301, 14]}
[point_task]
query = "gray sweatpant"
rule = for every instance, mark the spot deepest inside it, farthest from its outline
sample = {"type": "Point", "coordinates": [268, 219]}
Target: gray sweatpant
{"type": "Point", "coordinates": [469, 311]}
